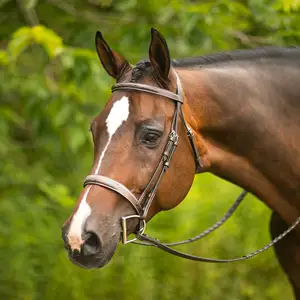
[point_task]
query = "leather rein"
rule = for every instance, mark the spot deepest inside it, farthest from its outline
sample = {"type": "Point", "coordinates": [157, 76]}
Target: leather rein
{"type": "Point", "coordinates": [142, 204]}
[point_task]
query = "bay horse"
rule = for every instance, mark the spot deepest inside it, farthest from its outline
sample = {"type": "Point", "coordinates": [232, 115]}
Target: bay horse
{"type": "Point", "coordinates": [237, 115]}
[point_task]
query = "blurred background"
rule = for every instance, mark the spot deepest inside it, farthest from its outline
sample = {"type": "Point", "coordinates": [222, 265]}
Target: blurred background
{"type": "Point", "coordinates": [52, 85]}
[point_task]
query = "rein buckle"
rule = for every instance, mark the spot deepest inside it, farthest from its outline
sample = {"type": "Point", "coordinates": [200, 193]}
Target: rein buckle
{"type": "Point", "coordinates": [141, 230]}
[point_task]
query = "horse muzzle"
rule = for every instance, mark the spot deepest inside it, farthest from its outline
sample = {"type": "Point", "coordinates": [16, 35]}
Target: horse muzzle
{"type": "Point", "coordinates": [92, 249]}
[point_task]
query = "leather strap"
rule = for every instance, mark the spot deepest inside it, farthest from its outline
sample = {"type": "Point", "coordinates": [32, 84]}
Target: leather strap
{"type": "Point", "coordinates": [116, 187]}
{"type": "Point", "coordinates": [164, 247]}
{"type": "Point", "coordinates": [158, 244]}
{"type": "Point", "coordinates": [148, 89]}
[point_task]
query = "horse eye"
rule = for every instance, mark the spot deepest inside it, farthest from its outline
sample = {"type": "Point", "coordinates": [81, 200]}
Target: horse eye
{"type": "Point", "coordinates": [151, 139]}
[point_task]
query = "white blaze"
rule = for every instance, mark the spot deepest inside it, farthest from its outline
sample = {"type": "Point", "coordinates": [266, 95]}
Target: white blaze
{"type": "Point", "coordinates": [118, 114]}
{"type": "Point", "coordinates": [83, 211]}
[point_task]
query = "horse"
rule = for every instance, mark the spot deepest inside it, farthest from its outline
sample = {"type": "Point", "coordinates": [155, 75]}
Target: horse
{"type": "Point", "coordinates": [235, 114]}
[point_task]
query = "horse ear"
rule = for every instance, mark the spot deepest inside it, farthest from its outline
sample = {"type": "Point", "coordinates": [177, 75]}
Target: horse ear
{"type": "Point", "coordinates": [159, 55]}
{"type": "Point", "coordinates": [113, 63]}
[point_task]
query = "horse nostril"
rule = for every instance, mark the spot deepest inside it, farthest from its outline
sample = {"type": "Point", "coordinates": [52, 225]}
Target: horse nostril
{"type": "Point", "coordinates": [91, 243]}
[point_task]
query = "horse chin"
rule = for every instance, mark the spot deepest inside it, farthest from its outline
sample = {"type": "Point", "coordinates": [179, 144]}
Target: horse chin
{"type": "Point", "coordinates": [96, 262]}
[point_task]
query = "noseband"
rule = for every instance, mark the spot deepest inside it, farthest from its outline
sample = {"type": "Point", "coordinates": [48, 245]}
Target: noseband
{"type": "Point", "coordinates": [142, 204]}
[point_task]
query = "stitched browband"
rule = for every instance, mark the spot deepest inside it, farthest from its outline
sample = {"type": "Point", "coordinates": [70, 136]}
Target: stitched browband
{"type": "Point", "coordinates": [148, 89]}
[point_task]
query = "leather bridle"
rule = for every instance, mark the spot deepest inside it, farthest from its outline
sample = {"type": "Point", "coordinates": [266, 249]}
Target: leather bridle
{"type": "Point", "coordinates": [142, 204]}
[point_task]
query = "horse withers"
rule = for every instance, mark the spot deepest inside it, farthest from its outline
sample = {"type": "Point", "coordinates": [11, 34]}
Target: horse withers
{"type": "Point", "coordinates": [234, 114]}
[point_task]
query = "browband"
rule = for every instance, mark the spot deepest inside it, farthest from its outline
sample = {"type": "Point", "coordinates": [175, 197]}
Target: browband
{"type": "Point", "coordinates": [148, 89]}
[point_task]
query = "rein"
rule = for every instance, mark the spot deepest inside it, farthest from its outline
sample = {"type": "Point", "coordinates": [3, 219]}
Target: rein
{"type": "Point", "coordinates": [143, 203]}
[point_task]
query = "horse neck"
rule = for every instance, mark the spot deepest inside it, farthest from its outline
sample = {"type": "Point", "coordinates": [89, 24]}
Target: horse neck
{"type": "Point", "coordinates": [236, 117]}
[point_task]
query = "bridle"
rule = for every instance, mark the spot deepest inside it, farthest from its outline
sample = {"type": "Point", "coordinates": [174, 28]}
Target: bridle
{"type": "Point", "coordinates": [142, 204]}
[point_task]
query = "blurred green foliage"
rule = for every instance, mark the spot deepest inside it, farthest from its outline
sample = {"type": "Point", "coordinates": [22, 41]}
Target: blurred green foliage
{"type": "Point", "coordinates": [52, 85]}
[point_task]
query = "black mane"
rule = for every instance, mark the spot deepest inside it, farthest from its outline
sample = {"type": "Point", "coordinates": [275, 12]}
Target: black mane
{"type": "Point", "coordinates": [239, 55]}
{"type": "Point", "coordinates": [273, 52]}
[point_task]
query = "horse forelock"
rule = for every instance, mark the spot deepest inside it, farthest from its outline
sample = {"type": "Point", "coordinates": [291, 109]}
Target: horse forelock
{"type": "Point", "coordinates": [141, 69]}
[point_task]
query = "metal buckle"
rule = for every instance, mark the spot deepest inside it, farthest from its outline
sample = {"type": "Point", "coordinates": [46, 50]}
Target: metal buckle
{"type": "Point", "coordinates": [173, 136]}
{"type": "Point", "coordinates": [124, 228]}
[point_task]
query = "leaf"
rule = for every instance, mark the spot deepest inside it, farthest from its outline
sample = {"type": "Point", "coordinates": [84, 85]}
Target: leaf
{"type": "Point", "coordinates": [21, 39]}
{"type": "Point", "coordinates": [57, 192]}
{"type": "Point", "coordinates": [67, 60]}
{"type": "Point", "coordinates": [3, 58]}
{"type": "Point", "coordinates": [48, 39]}
{"type": "Point", "coordinates": [76, 139]}
{"type": "Point", "coordinates": [62, 116]}
{"type": "Point", "coordinates": [81, 52]}
{"type": "Point", "coordinates": [11, 116]}
{"type": "Point", "coordinates": [287, 5]}
{"type": "Point", "coordinates": [25, 36]}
